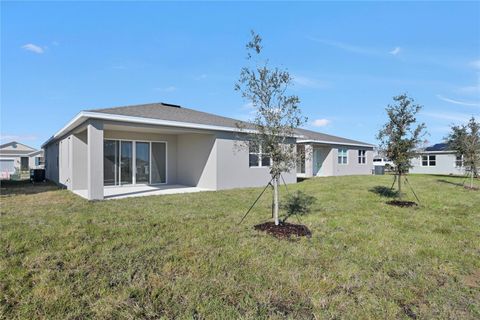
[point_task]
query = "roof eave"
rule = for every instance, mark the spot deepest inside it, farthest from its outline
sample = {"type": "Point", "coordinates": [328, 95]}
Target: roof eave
{"type": "Point", "coordinates": [337, 143]}
{"type": "Point", "coordinates": [85, 115]}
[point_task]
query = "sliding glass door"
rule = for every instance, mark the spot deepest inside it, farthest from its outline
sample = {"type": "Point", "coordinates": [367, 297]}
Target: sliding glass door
{"type": "Point", "coordinates": [110, 162]}
{"type": "Point", "coordinates": [142, 162]}
{"type": "Point", "coordinates": [134, 162]}
{"type": "Point", "coordinates": [126, 162]}
{"type": "Point", "coordinates": [159, 163]}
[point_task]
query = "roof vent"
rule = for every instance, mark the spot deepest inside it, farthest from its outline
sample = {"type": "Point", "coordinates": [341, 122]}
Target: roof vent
{"type": "Point", "coordinates": [171, 105]}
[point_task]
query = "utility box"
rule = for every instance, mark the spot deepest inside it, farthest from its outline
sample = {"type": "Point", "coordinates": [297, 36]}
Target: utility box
{"type": "Point", "coordinates": [379, 170]}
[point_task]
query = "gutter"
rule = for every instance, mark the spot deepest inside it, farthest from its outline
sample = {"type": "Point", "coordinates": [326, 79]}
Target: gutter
{"type": "Point", "coordinates": [338, 143]}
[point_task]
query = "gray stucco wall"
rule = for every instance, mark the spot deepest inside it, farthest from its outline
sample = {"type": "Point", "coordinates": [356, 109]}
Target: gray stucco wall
{"type": "Point", "coordinates": [352, 167]}
{"type": "Point", "coordinates": [197, 160]}
{"type": "Point", "coordinates": [233, 170]}
{"type": "Point", "coordinates": [79, 161]}
{"type": "Point", "coordinates": [330, 165]}
{"type": "Point", "coordinates": [51, 164]}
{"type": "Point", "coordinates": [445, 164]}
{"type": "Point", "coordinates": [65, 162]}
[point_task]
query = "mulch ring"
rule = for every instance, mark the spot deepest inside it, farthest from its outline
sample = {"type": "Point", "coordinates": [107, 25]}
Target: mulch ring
{"type": "Point", "coordinates": [403, 204]}
{"type": "Point", "coordinates": [284, 230]}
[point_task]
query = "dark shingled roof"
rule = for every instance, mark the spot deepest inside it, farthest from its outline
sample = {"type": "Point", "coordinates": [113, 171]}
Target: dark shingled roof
{"type": "Point", "coordinates": [438, 147]}
{"type": "Point", "coordinates": [164, 111]}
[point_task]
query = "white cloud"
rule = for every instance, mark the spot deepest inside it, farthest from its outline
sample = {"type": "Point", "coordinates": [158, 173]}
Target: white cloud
{"type": "Point", "coordinates": [308, 82]}
{"type": "Point", "coordinates": [344, 46]}
{"type": "Point", "coordinates": [13, 137]}
{"type": "Point", "coordinates": [167, 89]}
{"type": "Point", "coordinates": [321, 122]}
{"type": "Point", "coordinates": [33, 48]}
{"type": "Point", "coordinates": [475, 64]}
{"type": "Point", "coordinates": [201, 77]}
{"type": "Point", "coordinates": [450, 116]}
{"type": "Point", "coordinates": [469, 89]}
{"type": "Point", "coordinates": [462, 103]}
{"type": "Point", "coordinates": [395, 51]}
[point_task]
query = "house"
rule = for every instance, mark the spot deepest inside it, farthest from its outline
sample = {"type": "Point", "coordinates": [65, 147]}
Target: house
{"type": "Point", "coordinates": [327, 155]}
{"type": "Point", "coordinates": [106, 153]}
{"type": "Point", "coordinates": [17, 157]}
{"type": "Point", "coordinates": [438, 159]}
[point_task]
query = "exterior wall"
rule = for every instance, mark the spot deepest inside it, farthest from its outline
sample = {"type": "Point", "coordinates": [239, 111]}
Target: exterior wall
{"type": "Point", "coordinates": [327, 163]}
{"type": "Point", "coordinates": [445, 164]}
{"type": "Point", "coordinates": [352, 167]}
{"type": "Point", "coordinates": [51, 163]}
{"type": "Point", "coordinates": [65, 162]}
{"type": "Point", "coordinates": [146, 136]}
{"type": "Point", "coordinates": [233, 170]}
{"type": "Point", "coordinates": [330, 165]}
{"type": "Point", "coordinates": [79, 161]}
{"type": "Point", "coordinates": [197, 160]}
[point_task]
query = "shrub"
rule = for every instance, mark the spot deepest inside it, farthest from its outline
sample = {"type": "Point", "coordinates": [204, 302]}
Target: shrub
{"type": "Point", "coordinates": [298, 203]}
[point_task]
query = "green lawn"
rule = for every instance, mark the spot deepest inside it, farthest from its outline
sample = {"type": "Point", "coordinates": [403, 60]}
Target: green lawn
{"type": "Point", "coordinates": [184, 256]}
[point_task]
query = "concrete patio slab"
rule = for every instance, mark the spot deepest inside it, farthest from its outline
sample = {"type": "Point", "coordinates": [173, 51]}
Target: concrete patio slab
{"type": "Point", "coordinates": [111, 193]}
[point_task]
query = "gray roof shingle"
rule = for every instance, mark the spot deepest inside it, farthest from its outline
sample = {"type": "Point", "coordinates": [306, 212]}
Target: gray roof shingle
{"type": "Point", "coordinates": [164, 111]}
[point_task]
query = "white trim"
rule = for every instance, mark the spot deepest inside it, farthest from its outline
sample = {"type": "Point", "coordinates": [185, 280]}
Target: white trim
{"type": "Point", "coordinates": [428, 160]}
{"type": "Point", "coordinates": [362, 157]}
{"type": "Point", "coordinates": [338, 156]}
{"type": "Point", "coordinates": [336, 143]}
{"type": "Point", "coordinates": [134, 169]}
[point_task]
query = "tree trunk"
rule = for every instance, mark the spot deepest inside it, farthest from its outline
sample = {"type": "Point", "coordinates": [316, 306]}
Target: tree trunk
{"type": "Point", "coordinates": [399, 186]}
{"type": "Point", "coordinates": [471, 179]}
{"type": "Point", "coordinates": [275, 200]}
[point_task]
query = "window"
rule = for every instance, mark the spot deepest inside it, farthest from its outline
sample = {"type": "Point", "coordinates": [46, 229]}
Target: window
{"type": "Point", "coordinates": [256, 157]}
{"type": "Point", "coordinates": [362, 158]}
{"type": "Point", "coordinates": [459, 161]}
{"type": "Point", "coordinates": [38, 161]}
{"type": "Point", "coordinates": [429, 161]}
{"type": "Point", "coordinates": [342, 156]}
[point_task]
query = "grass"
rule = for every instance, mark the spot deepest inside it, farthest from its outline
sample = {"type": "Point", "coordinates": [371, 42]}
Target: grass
{"type": "Point", "coordinates": [184, 256]}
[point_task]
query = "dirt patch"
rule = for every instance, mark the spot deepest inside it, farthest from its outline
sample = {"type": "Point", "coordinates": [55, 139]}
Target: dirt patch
{"type": "Point", "coordinates": [472, 280]}
{"type": "Point", "coordinates": [471, 188]}
{"type": "Point", "coordinates": [402, 204]}
{"type": "Point", "coordinates": [284, 230]}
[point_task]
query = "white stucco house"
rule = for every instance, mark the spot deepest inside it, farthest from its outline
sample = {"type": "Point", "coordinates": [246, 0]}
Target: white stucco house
{"type": "Point", "coordinates": [18, 157]}
{"type": "Point", "coordinates": [107, 153]}
{"type": "Point", "coordinates": [438, 159]}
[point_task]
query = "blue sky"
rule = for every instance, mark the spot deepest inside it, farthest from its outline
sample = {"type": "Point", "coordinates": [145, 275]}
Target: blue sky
{"type": "Point", "coordinates": [348, 60]}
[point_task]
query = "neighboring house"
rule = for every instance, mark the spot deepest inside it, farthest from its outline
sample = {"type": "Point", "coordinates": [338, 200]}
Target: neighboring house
{"type": "Point", "coordinates": [164, 144]}
{"type": "Point", "coordinates": [18, 157]}
{"type": "Point", "coordinates": [438, 159]}
{"type": "Point", "coordinates": [327, 155]}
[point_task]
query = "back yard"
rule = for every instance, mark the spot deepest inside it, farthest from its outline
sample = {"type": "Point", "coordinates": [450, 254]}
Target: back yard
{"type": "Point", "coordinates": [184, 256]}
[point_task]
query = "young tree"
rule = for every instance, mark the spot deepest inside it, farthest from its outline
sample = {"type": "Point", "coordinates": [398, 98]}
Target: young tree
{"type": "Point", "coordinates": [400, 136]}
{"type": "Point", "coordinates": [277, 113]}
{"type": "Point", "coordinates": [465, 139]}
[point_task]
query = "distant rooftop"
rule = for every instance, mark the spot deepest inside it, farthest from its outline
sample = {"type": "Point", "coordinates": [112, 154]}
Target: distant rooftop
{"type": "Point", "coordinates": [438, 147]}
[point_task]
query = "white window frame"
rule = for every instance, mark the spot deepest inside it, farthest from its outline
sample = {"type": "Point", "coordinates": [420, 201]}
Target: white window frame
{"type": "Point", "coordinates": [260, 156]}
{"type": "Point", "coordinates": [342, 154]}
{"type": "Point", "coordinates": [461, 161]}
{"type": "Point", "coordinates": [429, 160]}
{"type": "Point", "coordinates": [362, 156]}
{"type": "Point", "coordinates": [134, 162]}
